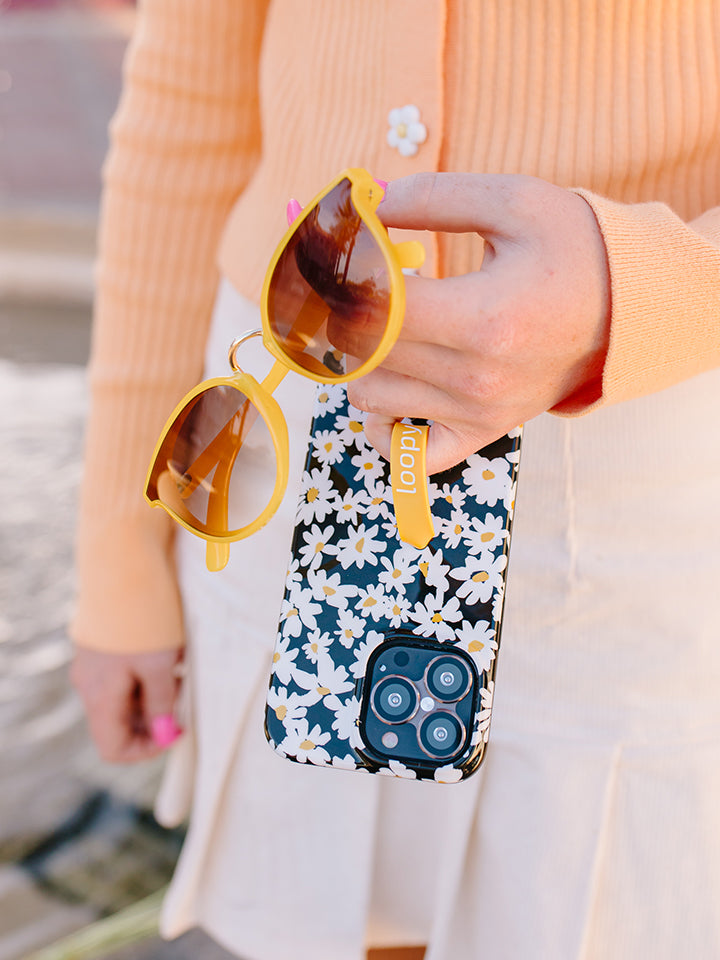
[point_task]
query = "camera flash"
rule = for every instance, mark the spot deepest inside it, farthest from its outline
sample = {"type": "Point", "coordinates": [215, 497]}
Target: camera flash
{"type": "Point", "coordinates": [427, 704]}
{"type": "Point", "coordinates": [390, 739]}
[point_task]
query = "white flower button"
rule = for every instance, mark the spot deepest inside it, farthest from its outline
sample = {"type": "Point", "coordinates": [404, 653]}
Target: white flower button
{"type": "Point", "coordinates": [406, 132]}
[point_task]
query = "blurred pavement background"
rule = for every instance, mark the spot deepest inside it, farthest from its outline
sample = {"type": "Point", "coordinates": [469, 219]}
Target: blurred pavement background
{"type": "Point", "coordinates": [77, 840]}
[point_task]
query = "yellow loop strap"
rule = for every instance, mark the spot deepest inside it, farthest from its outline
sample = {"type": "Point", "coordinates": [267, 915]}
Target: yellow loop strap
{"type": "Point", "coordinates": [409, 484]}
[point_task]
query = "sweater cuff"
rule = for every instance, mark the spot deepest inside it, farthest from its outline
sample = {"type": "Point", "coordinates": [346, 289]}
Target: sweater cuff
{"type": "Point", "coordinates": [665, 301]}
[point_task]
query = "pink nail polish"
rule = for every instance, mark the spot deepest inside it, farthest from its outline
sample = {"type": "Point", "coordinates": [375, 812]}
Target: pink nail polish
{"type": "Point", "coordinates": [293, 211]}
{"type": "Point", "coordinates": [165, 730]}
{"type": "Point", "coordinates": [383, 184]}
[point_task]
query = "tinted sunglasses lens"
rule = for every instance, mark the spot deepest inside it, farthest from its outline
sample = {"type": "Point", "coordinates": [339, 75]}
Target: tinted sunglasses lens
{"type": "Point", "coordinates": [329, 296]}
{"type": "Point", "coordinates": [216, 468]}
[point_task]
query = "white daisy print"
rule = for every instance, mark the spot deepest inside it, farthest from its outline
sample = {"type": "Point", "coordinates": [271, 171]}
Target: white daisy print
{"type": "Point", "coordinates": [397, 610]}
{"type": "Point", "coordinates": [286, 706]}
{"type": "Point", "coordinates": [451, 530]}
{"type": "Point", "coordinates": [498, 601]}
{"type": "Point", "coordinates": [328, 447]}
{"type": "Point", "coordinates": [433, 569]}
{"type": "Point", "coordinates": [487, 480]}
{"type": "Point", "coordinates": [332, 678]}
{"type": "Point", "coordinates": [397, 769]}
{"type": "Point", "coordinates": [359, 547]}
{"type": "Point", "coordinates": [479, 577]}
{"type": "Point", "coordinates": [447, 774]}
{"type": "Point", "coordinates": [294, 576]}
{"type": "Point", "coordinates": [433, 617]}
{"type": "Point", "coordinates": [352, 506]}
{"type": "Point", "coordinates": [369, 465]}
{"type": "Point", "coordinates": [450, 492]}
{"type": "Point", "coordinates": [317, 546]}
{"type": "Point", "coordinates": [482, 719]}
{"type": "Point", "coordinates": [483, 535]}
{"type": "Point", "coordinates": [330, 588]}
{"type": "Point", "coordinates": [346, 714]}
{"type": "Point", "coordinates": [390, 530]}
{"type": "Point", "coordinates": [362, 652]}
{"type": "Point", "coordinates": [380, 501]}
{"type": "Point", "coordinates": [317, 643]}
{"type": "Point", "coordinates": [371, 601]}
{"type": "Point", "coordinates": [290, 618]}
{"type": "Point", "coordinates": [317, 496]}
{"type": "Point", "coordinates": [327, 679]}
{"type": "Point", "coordinates": [399, 571]}
{"type": "Point", "coordinates": [514, 455]}
{"type": "Point", "coordinates": [305, 744]}
{"type": "Point", "coordinates": [350, 627]}
{"type": "Point", "coordinates": [301, 600]}
{"type": "Point", "coordinates": [348, 762]}
{"type": "Point", "coordinates": [478, 639]}
{"type": "Point", "coordinates": [283, 661]}
{"type": "Point", "coordinates": [351, 429]}
{"type": "Point", "coordinates": [328, 398]}
{"type": "Point", "coordinates": [509, 501]}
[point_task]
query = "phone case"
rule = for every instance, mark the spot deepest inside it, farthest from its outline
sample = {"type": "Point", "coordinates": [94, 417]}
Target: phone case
{"type": "Point", "coordinates": [373, 631]}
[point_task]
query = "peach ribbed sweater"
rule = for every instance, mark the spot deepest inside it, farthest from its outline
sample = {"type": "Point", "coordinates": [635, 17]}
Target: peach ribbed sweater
{"type": "Point", "coordinates": [230, 108]}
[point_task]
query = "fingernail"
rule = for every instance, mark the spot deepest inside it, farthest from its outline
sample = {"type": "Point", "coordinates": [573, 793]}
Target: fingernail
{"type": "Point", "coordinates": [293, 211]}
{"type": "Point", "coordinates": [383, 184]}
{"type": "Point", "coordinates": [164, 730]}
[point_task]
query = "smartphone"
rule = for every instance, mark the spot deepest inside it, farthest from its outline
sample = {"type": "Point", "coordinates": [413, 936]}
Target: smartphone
{"type": "Point", "coordinates": [386, 654]}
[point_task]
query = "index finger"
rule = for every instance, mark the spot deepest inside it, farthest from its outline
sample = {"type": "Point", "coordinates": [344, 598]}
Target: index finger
{"type": "Point", "coordinates": [488, 204]}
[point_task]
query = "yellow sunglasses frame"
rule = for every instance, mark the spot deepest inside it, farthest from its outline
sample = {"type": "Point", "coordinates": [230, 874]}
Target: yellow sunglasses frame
{"type": "Point", "coordinates": [366, 195]}
{"type": "Point", "coordinates": [260, 396]}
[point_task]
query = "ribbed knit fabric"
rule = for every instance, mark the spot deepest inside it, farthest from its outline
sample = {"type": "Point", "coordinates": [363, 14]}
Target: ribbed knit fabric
{"type": "Point", "coordinates": [620, 99]}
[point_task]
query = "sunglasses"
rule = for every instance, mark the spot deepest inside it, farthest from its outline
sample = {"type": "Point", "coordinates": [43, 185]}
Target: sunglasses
{"type": "Point", "coordinates": [332, 307]}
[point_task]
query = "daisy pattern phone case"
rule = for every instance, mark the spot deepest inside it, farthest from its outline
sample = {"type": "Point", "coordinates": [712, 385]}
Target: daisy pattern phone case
{"type": "Point", "coordinates": [385, 656]}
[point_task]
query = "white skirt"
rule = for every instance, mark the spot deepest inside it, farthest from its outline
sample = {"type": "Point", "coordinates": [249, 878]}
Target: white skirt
{"type": "Point", "coordinates": [592, 831]}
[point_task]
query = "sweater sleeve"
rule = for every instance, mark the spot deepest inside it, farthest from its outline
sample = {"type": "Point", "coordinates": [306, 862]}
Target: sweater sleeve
{"type": "Point", "coordinates": [665, 300]}
{"type": "Point", "coordinates": [184, 143]}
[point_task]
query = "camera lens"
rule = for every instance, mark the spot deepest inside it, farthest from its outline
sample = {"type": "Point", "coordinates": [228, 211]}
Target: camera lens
{"type": "Point", "coordinates": [447, 678]}
{"type": "Point", "coordinates": [441, 734]}
{"type": "Point", "coordinates": [394, 700]}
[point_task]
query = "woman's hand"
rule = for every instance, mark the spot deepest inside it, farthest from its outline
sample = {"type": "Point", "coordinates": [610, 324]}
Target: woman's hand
{"type": "Point", "coordinates": [129, 700]}
{"type": "Point", "coordinates": [481, 353]}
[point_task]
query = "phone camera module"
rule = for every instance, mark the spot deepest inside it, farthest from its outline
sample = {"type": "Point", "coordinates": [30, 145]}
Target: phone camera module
{"type": "Point", "coordinates": [394, 700]}
{"type": "Point", "coordinates": [441, 735]}
{"type": "Point", "coordinates": [447, 678]}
